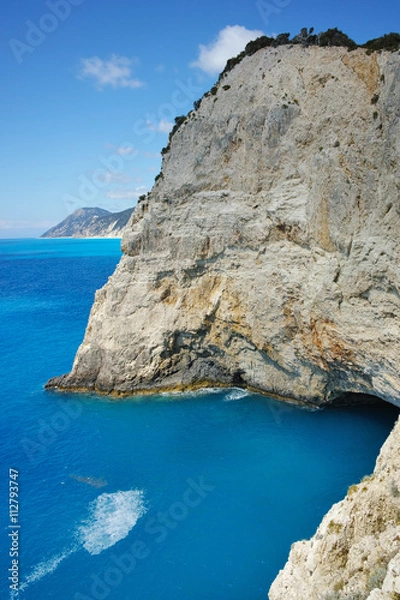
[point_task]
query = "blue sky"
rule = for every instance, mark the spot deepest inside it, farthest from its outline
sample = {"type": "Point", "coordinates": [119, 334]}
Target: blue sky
{"type": "Point", "coordinates": [91, 88]}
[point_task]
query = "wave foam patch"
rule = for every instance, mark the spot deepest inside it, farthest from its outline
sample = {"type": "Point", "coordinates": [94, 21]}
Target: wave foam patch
{"type": "Point", "coordinates": [46, 567]}
{"type": "Point", "coordinates": [111, 518]}
{"type": "Point", "coordinates": [184, 394]}
{"type": "Point", "coordinates": [236, 394]}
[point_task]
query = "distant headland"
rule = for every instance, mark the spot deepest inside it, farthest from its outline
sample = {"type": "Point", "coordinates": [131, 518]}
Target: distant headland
{"type": "Point", "coordinates": [91, 222]}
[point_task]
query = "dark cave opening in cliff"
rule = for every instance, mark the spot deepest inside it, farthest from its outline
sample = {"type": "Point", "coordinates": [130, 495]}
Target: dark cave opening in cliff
{"type": "Point", "coordinates": [366, 402]}
{"type": "Point", "coordinates": [360, 399]}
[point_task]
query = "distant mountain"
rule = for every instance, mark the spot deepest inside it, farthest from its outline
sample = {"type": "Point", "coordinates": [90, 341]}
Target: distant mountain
{"type": "Point", "coordinates": [91, 222]}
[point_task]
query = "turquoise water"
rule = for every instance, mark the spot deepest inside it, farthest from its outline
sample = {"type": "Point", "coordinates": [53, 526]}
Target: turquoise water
{"type": "Point", "coordinates": [194, 496]}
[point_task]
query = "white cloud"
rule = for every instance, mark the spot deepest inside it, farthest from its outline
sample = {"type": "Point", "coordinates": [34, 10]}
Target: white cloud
{"type": "Point", "coordinates": [162, 126]}
{"type": "Point", "coordinates": [127, 150]}
{"type": "Point", "coordinates": [230, 41]}
{"type": "Point", "coordinates": [116, 71]}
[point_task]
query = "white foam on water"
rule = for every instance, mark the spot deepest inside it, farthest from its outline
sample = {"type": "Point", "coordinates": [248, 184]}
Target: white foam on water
{"type": "Point", "coordinates": [46, 567]}
{"type": "Point", "coordinates": [236, 394]}
{"type": "Point", "coordinates": [184, 394]}
{"type": "Point", "coordinates": [111, 518]}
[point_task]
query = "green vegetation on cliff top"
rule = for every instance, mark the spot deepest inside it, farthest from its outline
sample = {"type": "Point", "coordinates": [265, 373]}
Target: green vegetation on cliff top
{"type": "Point", "coordinates": [306, 37]}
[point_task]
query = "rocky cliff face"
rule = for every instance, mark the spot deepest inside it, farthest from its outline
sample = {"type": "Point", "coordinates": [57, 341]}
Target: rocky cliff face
{"type": "Point", "coordinates": [267, 252]}
{"type": "Point", "coordinates": [355, 553]}
{"type": "Point", "coordinates": [267, 256]}
{"type": "Point", "coordinates": [91, 222]}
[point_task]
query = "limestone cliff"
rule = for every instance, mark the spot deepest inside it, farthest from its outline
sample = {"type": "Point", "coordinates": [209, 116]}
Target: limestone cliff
{"type": "Point", "coordinates": [267, 252]}
{"type": "Point", "coordinates": [355, 553]}
{"type": "Point", "coordinates": [267, 255]}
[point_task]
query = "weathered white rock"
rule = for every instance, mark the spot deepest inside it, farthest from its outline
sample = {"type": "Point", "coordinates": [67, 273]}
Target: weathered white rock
{"type": "Point", "coordinates": [267, 252]}
{"type": "Point", "coordinates": [355, 553]}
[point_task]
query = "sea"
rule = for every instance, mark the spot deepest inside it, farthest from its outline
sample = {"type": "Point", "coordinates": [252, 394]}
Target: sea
{"type": "Point", "coordinates": [194, 496]}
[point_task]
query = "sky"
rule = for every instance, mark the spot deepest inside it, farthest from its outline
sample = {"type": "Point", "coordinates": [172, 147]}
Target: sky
{"type": "Point", "coordinates": [90, 89]}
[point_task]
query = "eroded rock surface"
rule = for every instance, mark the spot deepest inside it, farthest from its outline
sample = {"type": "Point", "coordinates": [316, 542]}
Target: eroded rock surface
{"type": "Point", "coordinates": [267, 253]}
{"type": "Point", "coordinates": [355, 553]}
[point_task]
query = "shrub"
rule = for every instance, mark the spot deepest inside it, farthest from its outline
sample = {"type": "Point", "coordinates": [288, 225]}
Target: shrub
{"type": "Point", "coordinates": [389, 41]}
{"type": "Point", "coordinates": [335, 37]}
{"type": "Point", "coordinates": [178, 122]}
{"type": "Point", "coordinates": [232, 62]}
{"type": "Point", "coordinates": [250, 49]}
{"type": "Point", "coordinates": [305, 37]}
{"type": "Point", "coordinates": [282, 39]}
{"type": "Point", "coordinates": [256, 45]}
